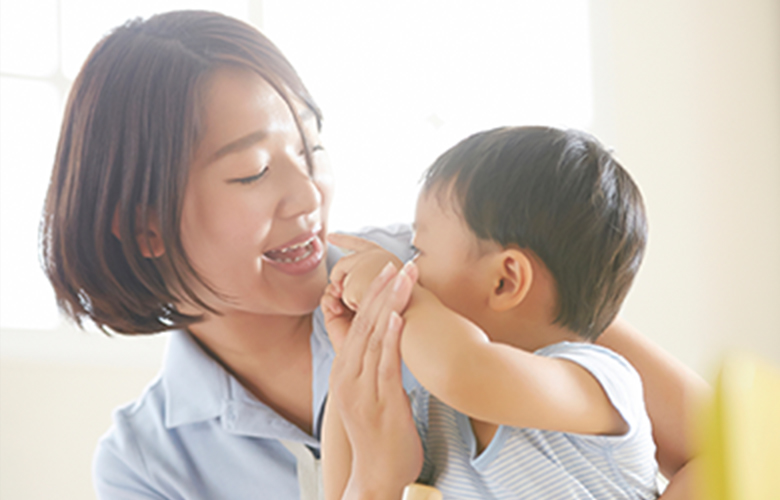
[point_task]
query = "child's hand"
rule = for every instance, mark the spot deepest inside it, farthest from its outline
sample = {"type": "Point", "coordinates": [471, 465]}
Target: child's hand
{"type": "Point", "coordinates": [353, 273]}
{"type": "Point", "coordinates": [337, 317]}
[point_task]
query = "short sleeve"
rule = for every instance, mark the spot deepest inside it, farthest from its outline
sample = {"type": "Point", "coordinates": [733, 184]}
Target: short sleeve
{"type": "Point", "coordinates": [615, 374]}
{"type": "Point", "coordinates": [118, 471]}
{"type": "Point", "coordinates": [396, 238]}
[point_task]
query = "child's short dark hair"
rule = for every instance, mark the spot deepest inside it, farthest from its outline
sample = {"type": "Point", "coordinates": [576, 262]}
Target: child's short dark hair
{"type": "Point", "coordinates": [133, 121]}
{"type": "Point", "coordinates": [562, 195]}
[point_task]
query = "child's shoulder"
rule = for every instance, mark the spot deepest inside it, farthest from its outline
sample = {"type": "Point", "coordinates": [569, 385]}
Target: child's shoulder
{"type": "Point", "coordinates": [620, 381]}
{"type": "Point", "coordinates": [586, 353]}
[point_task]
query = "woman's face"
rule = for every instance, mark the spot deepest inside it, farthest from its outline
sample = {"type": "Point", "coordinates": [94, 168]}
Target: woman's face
{"type": "Point", "coordinates": [254, 217]}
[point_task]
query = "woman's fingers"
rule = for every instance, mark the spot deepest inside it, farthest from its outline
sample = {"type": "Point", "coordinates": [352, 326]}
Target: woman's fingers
{"type": "Point", "coordinates": [354, 346]}
{"type": "Point", "coordinates": [393, 298]}
{"type": "Point", "coordinates": [389, 379]}
{"type": "Point", "coordinates": [383, 357]}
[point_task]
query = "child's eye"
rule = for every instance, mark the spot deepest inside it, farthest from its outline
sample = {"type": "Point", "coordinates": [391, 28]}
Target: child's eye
{"type": "Point", "coordinates": [250, 179]}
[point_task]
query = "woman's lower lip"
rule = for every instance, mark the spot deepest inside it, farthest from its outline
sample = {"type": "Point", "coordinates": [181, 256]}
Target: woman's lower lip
{"type": "Point", "coordinates": [303, 266]}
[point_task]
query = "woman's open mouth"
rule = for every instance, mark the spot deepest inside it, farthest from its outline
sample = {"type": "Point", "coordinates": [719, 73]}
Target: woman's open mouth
{"type": "Point", "coordinates": [294, 253]}
{"type": "Point", "coordinates": [298, 258]}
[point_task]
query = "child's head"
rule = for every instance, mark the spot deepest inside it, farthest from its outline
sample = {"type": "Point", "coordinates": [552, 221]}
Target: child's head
{"type": "Point", "coordinates": [133, 124]}
{"type": "Point", "coordinates": [561, 195]}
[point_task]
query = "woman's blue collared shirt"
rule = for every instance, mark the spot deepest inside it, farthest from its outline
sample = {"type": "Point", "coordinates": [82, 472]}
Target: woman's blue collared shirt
{"type": "Point", "coordinates": [197, 433]}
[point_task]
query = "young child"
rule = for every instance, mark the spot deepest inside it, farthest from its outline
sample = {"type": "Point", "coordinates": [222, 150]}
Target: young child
{"type": "Point", "coordinates": [527, 241]}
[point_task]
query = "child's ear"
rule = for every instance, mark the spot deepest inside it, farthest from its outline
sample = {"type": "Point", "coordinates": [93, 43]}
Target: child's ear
{"type": "Point", "coordinates": [148, 239]}
{"type": "Point", "coordinates": [513, 275]}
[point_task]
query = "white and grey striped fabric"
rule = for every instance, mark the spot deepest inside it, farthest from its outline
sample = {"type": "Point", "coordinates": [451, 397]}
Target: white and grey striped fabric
{"type": "Point", "coordinates": [535, 464]}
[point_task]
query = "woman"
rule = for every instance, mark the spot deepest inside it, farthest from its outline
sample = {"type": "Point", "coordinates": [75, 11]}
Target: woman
{"type": "Point", "coordinates": [190, 194]}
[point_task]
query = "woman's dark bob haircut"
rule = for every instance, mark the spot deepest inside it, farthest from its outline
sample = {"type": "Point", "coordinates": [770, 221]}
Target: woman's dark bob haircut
{"type": "Point", "coordinates": [562, 195]}
{"type": "Point", "coordinates": [131, 126]}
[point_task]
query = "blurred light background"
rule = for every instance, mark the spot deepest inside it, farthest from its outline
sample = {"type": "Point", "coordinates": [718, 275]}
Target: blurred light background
{"type": "Point", "coordinates": [687, 92]}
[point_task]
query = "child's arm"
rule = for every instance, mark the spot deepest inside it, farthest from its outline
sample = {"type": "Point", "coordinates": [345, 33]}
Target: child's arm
{"type": "Point", "coordinates": [496, 383]}
{"type": "Point", "coordinates": [371, 449]}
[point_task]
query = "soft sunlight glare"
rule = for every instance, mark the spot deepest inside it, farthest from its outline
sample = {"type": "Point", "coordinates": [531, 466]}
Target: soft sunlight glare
{"type": "Point", "coordinates": [400, 82]}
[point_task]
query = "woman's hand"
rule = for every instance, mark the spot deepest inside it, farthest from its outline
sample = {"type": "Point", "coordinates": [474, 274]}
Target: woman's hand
{"type": "Point", "coordinates": [367, 388]}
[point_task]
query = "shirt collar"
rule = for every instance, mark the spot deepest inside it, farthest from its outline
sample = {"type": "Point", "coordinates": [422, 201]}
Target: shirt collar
{"type": "Point", "coordinates": [196, 386]}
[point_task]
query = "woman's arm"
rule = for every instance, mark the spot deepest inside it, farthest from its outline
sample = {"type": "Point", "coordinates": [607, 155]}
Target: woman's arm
{"type": "Point", "coordinates": [672, 392]}
{"type": "Point", "coordinates": [370, 437]}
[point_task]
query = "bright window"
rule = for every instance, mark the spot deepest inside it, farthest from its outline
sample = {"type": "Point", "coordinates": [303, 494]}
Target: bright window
{"type": "Point", "coordinates": [399, 82]}
{"type": "Point", "coordinates": [43, 43]}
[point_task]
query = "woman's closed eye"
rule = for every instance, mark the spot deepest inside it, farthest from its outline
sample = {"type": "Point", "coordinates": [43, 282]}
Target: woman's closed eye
{"type": "Point", "coordinates": [314, 149]}
{"type": "Point", "coordinates": [250, 179]}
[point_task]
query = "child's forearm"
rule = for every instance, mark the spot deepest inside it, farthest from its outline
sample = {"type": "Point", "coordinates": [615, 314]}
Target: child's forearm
{"type": "Point", "coordinates": [336, 454]}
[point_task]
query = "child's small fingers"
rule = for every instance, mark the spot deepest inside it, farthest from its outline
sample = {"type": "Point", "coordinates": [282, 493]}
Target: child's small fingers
{"type": "Point", "coordinates": [349, 242]}
{"type": "Point", "coordinates": [331, 300]}
{"type": "Point", "coordinates": [335, 307]}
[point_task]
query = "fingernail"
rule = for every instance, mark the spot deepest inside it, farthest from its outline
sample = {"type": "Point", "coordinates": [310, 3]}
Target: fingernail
{"type": "Point", "coordinates": [399, 280]}
{"type": "Point", "coordinates": [395, 321]}
{"type": "Point", "coordinates": [389, 268]}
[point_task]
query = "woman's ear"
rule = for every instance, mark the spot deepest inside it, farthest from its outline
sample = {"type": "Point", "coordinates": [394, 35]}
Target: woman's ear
{"type": "Point", "coordinates": [513, 276]}
{"type": "Point", "coordinates": [149, 239]}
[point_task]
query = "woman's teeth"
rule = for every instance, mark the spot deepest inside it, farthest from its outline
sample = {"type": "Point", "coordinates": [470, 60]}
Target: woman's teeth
{"type": "Point", "coordinates": [291, 254]}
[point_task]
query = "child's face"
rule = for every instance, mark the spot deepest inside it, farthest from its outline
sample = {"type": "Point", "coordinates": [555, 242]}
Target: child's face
{"type": "Point", "coordinates": [452, 262]}
{"type": "Point", "coordinates": [254, 219]}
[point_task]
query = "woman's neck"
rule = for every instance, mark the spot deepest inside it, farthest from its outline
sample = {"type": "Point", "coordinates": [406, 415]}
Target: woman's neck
{"type": "Point", "coordinates": [269, 355]}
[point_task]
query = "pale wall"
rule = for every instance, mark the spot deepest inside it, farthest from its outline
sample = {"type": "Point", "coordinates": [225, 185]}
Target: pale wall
{"type": "Point", "coordinates": [688, 92]}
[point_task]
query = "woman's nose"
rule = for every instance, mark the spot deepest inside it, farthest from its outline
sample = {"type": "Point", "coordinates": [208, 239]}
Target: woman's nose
{"type": "Point", "coordinates": [302, 197]}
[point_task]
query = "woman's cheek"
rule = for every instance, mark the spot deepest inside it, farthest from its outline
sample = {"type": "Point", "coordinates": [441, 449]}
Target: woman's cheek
{"type": "Point", "coordinates": [325, 182]}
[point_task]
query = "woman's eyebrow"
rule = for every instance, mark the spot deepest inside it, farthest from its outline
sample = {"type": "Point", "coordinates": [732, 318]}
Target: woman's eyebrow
{"type": "Point", "coordinates": [239, 144]}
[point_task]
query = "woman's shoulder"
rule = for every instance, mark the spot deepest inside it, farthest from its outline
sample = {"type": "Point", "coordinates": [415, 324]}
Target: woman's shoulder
{"type": "Point", "coordinates": [396, 238]}
{"type": "Point", "coordinates": [118, 457]}
{"type": "Point", "coordinates": [134, 418]}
